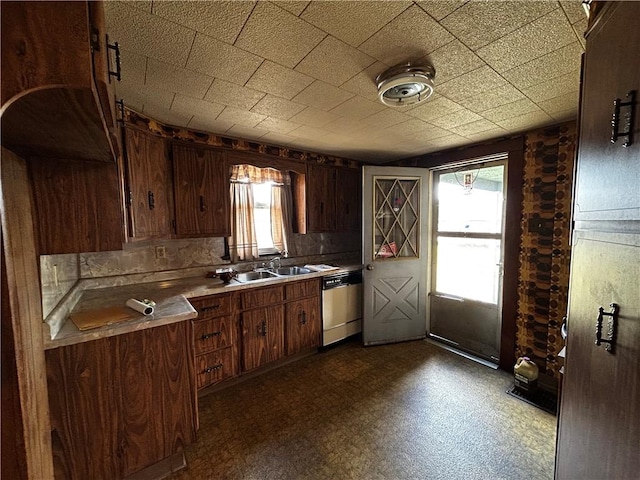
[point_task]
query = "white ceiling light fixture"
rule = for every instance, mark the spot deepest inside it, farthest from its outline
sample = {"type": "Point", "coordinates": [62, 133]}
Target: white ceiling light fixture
{"type": "Point", "coordinates": [405, 84]}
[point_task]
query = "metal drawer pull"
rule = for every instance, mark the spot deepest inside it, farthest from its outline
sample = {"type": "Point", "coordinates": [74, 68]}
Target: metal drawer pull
{"type": "Point", "coordinates": [118, 71]}
{"type": "Point", "coordinates": [303, 317]}
{"type": "Point", "coordinates": [207, 336]}
{"type": "Point", "coordinates": [628, 119]}
{"type": "Point", "coordinates": [212, 307]}
{"type": "Point", "coordinates": [151, 200]}
{"type": "Point", "coordinates": [262, 329]}
{"type": "Point", "coordinates": [611, 327]}
{"type": "Point", "coordinates": [212, 369]}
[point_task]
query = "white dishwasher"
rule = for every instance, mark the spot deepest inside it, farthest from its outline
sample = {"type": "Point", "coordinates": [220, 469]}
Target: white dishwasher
{"type": "Point", "coordinates": [341, 306]}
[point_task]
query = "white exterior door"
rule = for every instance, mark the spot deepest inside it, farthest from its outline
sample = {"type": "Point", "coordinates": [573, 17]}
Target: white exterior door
{"type": "Point", "coordinates": [395, 207]}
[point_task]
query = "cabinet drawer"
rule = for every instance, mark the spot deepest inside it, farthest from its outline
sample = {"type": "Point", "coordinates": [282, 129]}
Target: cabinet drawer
{"type": "Point", "coordinates": [307, 288]}
{"type": "Point", "coordinates": [262, 297]}
{"type": "Point", "coordinates": [216, 366]}
{"type": "Point", "coordinates": [213, 306]}
{"type": "Point", "coordinates": [213, 333]}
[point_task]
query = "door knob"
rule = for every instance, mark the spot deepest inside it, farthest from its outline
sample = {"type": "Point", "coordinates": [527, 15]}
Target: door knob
{"type": "Point", "coordinates": [370, 267]}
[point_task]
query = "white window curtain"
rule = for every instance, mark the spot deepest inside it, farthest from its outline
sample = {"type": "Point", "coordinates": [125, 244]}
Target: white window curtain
{"type": "Point", "coordinates": [243, 243]}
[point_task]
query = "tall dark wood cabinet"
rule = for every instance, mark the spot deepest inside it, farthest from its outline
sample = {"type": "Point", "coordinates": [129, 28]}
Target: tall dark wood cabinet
{"type": "Point", "coordinates": [201, 191]}
{"type": "Point", "coordinates": [321, 197]}
{"type": "Point", "coordinates": [599, 422]}
{"type": "Point", "coordinates": [349, 200]}
{"type": "Point", "coordinates": [149, 185]}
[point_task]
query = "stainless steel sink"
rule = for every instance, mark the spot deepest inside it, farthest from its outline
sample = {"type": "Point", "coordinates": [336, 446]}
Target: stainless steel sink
{"type": "Point", "coordinates": [252, 276]}
{"type": "Point", "coordinates": [292, 271]}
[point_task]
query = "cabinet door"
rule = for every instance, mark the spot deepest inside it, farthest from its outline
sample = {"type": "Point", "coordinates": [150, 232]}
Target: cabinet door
{"type": "Point", "coordinates": [607, 173]}
{"type": "Point", "coordinates": [77, 206]}
{"type": "Point", "coordinates": [84, 406]}
{"type": "Point", "coordinates": [148, 171]}
{"type": "Point", "coordinates": [321, 198]}
{"type": "Point", "coordinates": [158, 394]}
{"type": "Point", "coordinates": [201, 191]}
{"type": "Point", "coordinates": [302, 325]}
{"type": "Point", "coordinates": [262, 336]}
{"type": "Point", "coordinates": [348, 200]}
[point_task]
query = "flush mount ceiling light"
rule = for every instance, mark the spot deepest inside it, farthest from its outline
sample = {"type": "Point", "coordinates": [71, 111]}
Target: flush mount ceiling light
{"type": "Point", "coordinates": [405, 84]}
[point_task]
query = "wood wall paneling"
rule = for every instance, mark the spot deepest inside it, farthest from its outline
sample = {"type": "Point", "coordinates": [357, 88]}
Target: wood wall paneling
{"type": "Point", "coordinates": [24, 312]}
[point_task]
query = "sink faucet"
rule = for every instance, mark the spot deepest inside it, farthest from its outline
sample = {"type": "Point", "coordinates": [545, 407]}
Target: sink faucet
{"type": "Point", "coordinates": [275, 263]}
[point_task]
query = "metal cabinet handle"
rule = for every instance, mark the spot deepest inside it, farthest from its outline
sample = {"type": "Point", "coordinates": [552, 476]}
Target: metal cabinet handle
{"type": "Point", "coordinates": [609, 341]}
{"type": "Point", "coordinates": [203, 207]}
{"type": "Point", "coordinates": [213, 368]}
{"type": "Point", "coordinates": [212, 307]}
{"type": "Point", "coordinates": [262, 329]}
{"type": "Point", "coordinates": [151, 200]}
{"type": "Point", "coordinates": [207, 336]}
{"type": "Point", "coordinates": [615, 119]}
{"type": "Point", "coordinates": [118, 73]}
{"type": "Point", "coordinates": [370, 267]}
{"type": "Point", "coordinates": [303, 318]}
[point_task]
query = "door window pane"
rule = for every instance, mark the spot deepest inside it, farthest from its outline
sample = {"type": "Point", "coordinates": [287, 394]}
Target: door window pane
{"type": "Point", "coordinates": [396, 217]}
{"type": "Point", "coordinates": [471, 200]}
{"type": "Point", "coordinates": [468, 268]}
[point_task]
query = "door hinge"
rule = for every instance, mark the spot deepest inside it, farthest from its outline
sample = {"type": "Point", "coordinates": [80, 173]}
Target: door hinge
{"type": "Point", "coordinates": [129, 198]}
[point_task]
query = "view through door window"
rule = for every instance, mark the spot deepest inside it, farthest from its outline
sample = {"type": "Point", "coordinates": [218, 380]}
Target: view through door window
{"type": "Point", "coordinates": [468, 237]}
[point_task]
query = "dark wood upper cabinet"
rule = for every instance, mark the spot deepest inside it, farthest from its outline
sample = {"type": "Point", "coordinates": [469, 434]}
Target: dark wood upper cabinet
{"type": "Point", "coordinates": [77, 206]}
{"type": "Point", "coordinates": [201, 191]}
{"type": "Point", "coordinates": [334, 199]}
{"type": "Point", "coordinates": [59, 105]}
{"type": "Point", "coordinates": [149, 185]}
{"type": "Point", "coordinates": [348, 200]}
{"type": "Point", "coordinates": [321, 199]}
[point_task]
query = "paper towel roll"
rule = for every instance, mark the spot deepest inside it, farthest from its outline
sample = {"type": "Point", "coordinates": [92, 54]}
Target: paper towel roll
{"type": "Point", "coordinates": [138, 306]}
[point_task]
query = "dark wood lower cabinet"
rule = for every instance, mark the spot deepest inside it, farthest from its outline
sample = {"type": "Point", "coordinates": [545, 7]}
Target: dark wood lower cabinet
{"type": "Point", "coordinates": [262, 336]}
{"type": "Point", "coordinates": [121, 404]}
{"type": "Point", "coordinates": [302, 325]}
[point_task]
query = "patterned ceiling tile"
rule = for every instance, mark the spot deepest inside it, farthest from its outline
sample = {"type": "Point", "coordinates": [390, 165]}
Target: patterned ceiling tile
{"type": "Point", "coordinates": [440, 8]}
{"type": "Point", "coordinates": [208, 124]}
{"type": "Point", "coordinates": [413, 34]}
{"type": "Point", "coordinates": [277, 125]}
{"type": "Point", "coordinates": [474, 127]}
{"type": "Point", "coordinates": [435, 108]}
{"type": "Point", "coordinates": [312, 133]}
{"type": "Point", "coordinates": [322, 95]}
{"type": "Point", "coordinates": [447, 141]}
{"type": "Point", "coordinates": [155, 101]}
{"type": "Point", "coordinates": [168, 117]}
{"type": "Point", "coordinates": [573, 9]}
{"type": "Point", "coordinates": [510, 110]}
{"type": "Point", "coordinates": [241, 117]}
{"type": "Point", "coordinates": [431, 133]}
{"type": "Point", "coordinates": [353, 21]}
{"type": "Point", "coordinates": [149, 35]}
{"type": "Point", "coordinates": [167, 77]}
{"type": "Point", "coordinates": [453, 60]}
{"type": "Point", "coordinates": [277, 107]}
{"type": "Point", "coordinates": [364, 84]}
{"type": "Point", "coordinates": [334, 61]}
{"type": "Point", "coordinates": [223, 22]}
{"type": "Point", "coordinates": [215, 58]}
{"type": "Point", "coordinates": [278, 80]}
{"type": "Point", "coordinates": [477, 24]}
{"type": "Point", "coordinates": [144, 5]}
{"type": "Point", "coordinates": [565, 115]}
{"type": "Point", "coordinates": [454, 119]}
{"type": "Point", "coordinates": [487, 134]}
{"type": "Point", "coordinates": [542, 69]}
{"type": "Point", "coordinates": [579, 29]}
{"type": "Point", "coordinates": [524, 122]}
{"type": "Point", "coordinates": [358, 108]}
{"type": "Point", "coordinates": [410, 127]}
{"type": "Point", "coordinates": [535, 39]}
{"type": "Point", "coordinates": [131, 94]}
{"type": "Point", "coordinates": [188, 105]}
{"type": "Point", "coordinates": [492, 98]}
{"type": "Point", "coordinates": [561, 85]}
{"type": "Point", "coordinates": [473, 83]}
{"type": "Point", "coordinates": [293, 6]}
{"type": "Point", "coordinates": [561, 103]}
{"type": "Point", "coordinates": [387, 118]}
{"type": "Point", "coordinates": [135, 67]}
{"type": "Point", "coordinates": [276, 138]}
{"type": "Point", "coordinates": [245, 132]}
{"type": "Point", "coordinates": [233, 95]}
{"type": "Point", "coordinates": [278, 35]}
{"type": "Point", "coordinates": [344, 125]}
{"type": "Point", "coordinates": [313, 117]}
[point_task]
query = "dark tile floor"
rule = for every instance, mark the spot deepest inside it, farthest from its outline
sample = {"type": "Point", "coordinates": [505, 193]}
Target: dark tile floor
{"type": "Point", "coordinates": [403, 411]}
